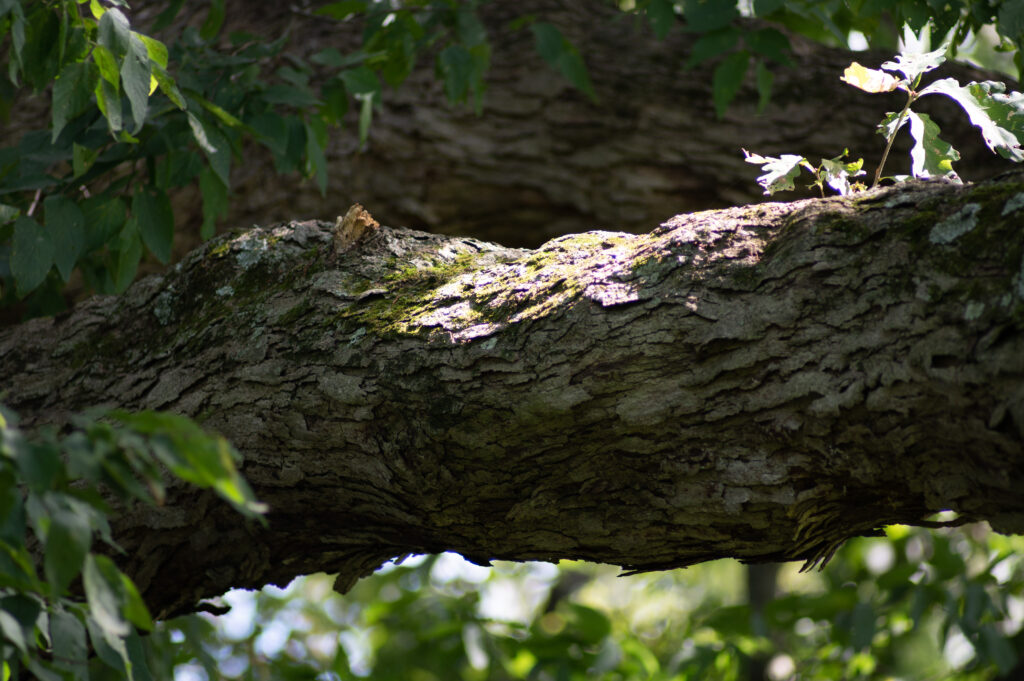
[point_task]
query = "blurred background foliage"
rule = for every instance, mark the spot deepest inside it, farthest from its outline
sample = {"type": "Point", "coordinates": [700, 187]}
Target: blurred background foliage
{"type": "Point", "coordinates": [917, 604]}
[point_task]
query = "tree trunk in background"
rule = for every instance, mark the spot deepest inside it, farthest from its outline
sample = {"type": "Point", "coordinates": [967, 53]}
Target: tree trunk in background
{"type": "Point", "coordinates": [543, 160]}
{"type": "Point", "coordinates": [762, 383]}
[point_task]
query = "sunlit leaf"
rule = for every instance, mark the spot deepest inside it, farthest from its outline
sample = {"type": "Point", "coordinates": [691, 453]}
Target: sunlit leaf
{"type": "Point", "coordinates": [930, 156]}
{"type": "Point", "coordinates": [869, 80]}
{"type": "Point", "coordinates": [999, 115]}
{"type": "Point", "coordinates": [779, 172]}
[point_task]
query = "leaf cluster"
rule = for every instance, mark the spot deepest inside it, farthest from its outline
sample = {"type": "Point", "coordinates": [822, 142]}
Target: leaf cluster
{"type": "Point", "coordinates": [133, 121]}
{"type": "Point", "coordinates": [62, 596]}
{"type": "Point", "coordinates": [999, 116]}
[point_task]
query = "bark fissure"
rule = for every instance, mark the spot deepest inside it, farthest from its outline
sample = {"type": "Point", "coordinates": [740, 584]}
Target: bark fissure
{"type": "Point", "coordinates": [760, 382]}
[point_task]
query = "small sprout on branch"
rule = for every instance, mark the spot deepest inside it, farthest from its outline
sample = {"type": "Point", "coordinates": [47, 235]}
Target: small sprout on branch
{"type": "Point", "coordinates": [997, 114]}
{"type": "Point", "coordinates": [780, 172]}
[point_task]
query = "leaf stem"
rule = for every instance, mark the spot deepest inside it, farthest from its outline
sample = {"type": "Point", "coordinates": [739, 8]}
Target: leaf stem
{"type": "Point", "coordinates": [899, 124]}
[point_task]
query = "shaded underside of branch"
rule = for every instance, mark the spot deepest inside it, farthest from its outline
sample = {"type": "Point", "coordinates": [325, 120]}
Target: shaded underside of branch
{"type": "Point", "coordinates": [760, 382]}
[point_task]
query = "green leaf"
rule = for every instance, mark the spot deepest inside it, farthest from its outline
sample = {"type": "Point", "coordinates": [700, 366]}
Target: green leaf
{"type": "Point", "coordinates": [455, 65]}
{"type": "Point", "coordinates": [708, 15]}
{"type": "Point", "coordinates": [66, 225]}
{"type": "Point", "coordinates": [862, 626]}
{"type": "Point", "coordinates": [215, 144]}
{"type": "Point", "coordinates": [662, 15]}
{"type": "Point", "coordinates": [109, 647]}
{"type": "Point", "coordinates": [135, 77]}
{"type": "Point", "coordinates": [105, 217]}
{"type": "Point", "coordinates": [770, 43]}
{"type": "Point", "coordinates": [199, 133]}
{"type": "Point", "coordinates": [315, 160]}
{"type": "Point", "coordinates": [365, 118]}
{"type": "Point", "coordinates": [114, 32]}
{"type": "Point", "coordinates": [107, 65]}
{"type": "Point", "coordinates": [82, 159]}
{"type": "Point", "coordinates": [67, 543]}
{"type": "Point", "coordinates": [593, 625]}
{"type": "Point", "coordinates": [912, 65]}
{"type": "Point", "coordinates": [155, 49]}
{"type": "Point", "coordinates": [727, 80]}
{"type": "Point", "coordinates": [468, 28]}
{"type": "Point", "coordinates": [331, 57]}
{"type": "Point", "coordinates": [222, 115]}
{"type": "Point", "coordinates": [550, 43]}
{"type": "Point", "coordinates": [271, 130]}
{"type": "Point", "coordinates": [930, 156]}
{"type": "Point", "coordinates": [39, 465]}
{"type": "Point", "coordinates": [134, 607]}
{"type": "Point", "coordinates": [31, 254]}
{"type": "Point", "coordinates": [997, 649]}
{"type": "Point", "coordinates": [12, 512]}
{"type": "Point", "coordinates": [361, 81]}
{"type": "Point", "coordinates": [40, 55]}
{"type": "Point", "coordinates": [711, 45]}
{"type": "Point", "coordinates": [164, 19]}
{"type": "Point", "coordinates": [290, 95]}
{"type": "Point", "coordinates": [563, 56]}
{"type": "Point", "coordinates": [17, 39]}
{"type": "Point", "coordinates": [341, 10]}
{"type": "Point", "coordinates": [779, 172]}
{"type": "Point", "coordinates": [102, 582]}
{"type": "Point", "coordinates": [837, 173]}
{"type": "Point", "coordinates": [72, 93]}
{"type": "Point", "coordinates": [214, 20]}
{"type": "Point", "coordinates": [999, 116]}
{"type": "Point", "coordinates": [68, 635]}
{"type": "Point", "coordinates": [764, 81]}
{"type": "Point", "coordinates": [168, 86]}
{"type": "Point", "coordinates": [152, 212]}
{"type": "Point", "coordinates": [137, 657]}
{"type": "Point", "coordinates": [128, 254]}
{"type": "Point", "coordinates": [763, 8]}
{"type": "Point", "coordinates": [194, 456]}
{"type": "Point", "coordinates": [109, 102]}
{"type": "Point", "coordinates": [335, 104]}
{"type": "Point", "coordinates": [18, 615]}
{"type": "Point", "coordinates": [215, 201]}
{"type": "Point", "coordinates": [8, 213]}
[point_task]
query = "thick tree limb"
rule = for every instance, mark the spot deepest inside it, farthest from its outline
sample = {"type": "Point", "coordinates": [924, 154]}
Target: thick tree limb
{"type": "Point", "coordinates": [760, 382]}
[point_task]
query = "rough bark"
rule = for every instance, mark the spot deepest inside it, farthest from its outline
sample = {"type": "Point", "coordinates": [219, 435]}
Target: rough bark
{"type": "Point", "coordinates": [760, 382]}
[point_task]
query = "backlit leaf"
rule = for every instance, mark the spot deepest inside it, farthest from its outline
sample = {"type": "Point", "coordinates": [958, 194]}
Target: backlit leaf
{"type": "Point", "coordinates": [102, 588]}
{"type": "Point", "coordinates": [930, 156]}
{"type": "Point", "coordinates": [999, 115]}
{"type": "Point", "coordinates": [869, 80]}
{"type": "Point", "coordinates": [779, 172]}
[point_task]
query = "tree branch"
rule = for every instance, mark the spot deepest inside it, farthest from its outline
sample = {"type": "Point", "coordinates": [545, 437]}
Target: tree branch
{"type": "Point", "coordinates": [761, 382]}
